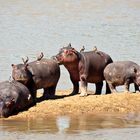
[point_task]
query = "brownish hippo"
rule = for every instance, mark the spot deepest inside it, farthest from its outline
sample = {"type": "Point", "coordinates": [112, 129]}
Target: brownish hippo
{"type": "Point", "coordinates": [122, 73]}
{"type": "Point", "coordinates": [42, 73]}
{"type": "Point", "coordinates": [86, 67]}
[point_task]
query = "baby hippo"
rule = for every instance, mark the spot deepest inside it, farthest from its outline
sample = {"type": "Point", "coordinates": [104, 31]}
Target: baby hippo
{"type": "Point", "coordinates": [14, 97]}
{"type": "Point", "coordinates": [122, 73]}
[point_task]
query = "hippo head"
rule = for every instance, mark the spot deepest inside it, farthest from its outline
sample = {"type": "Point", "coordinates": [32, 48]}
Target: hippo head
{"type": "Point", "coordinates": [6, 106]}
{"type": "Point", "coordinates": [21, 73]}
{"type": "Point", "coordinates": [66, 55]}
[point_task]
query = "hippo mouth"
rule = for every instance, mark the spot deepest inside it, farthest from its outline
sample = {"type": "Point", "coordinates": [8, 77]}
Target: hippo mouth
{"type": "Point", "coordinates": [22, 80]}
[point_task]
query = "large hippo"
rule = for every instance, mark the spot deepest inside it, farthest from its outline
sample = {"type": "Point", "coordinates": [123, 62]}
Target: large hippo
{"type": "Point", "coordinates": [14, 97]}
{"type": "Point", "coordinates": [42, 73]}
{"type": "Point", "coordinates": [122, 73]}
{"type": "Point", "coordinates": [86, 67]}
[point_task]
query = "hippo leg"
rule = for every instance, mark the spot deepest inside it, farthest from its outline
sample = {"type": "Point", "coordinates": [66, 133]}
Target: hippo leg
{"type": "Point", "coordinates": [49, 92]}
{"type": "Point", "coordinates": [136, 88]}
{"type": "Point", "coordinates": [33, 94]}
{"type": "Point", "coordinates": [99, 86]}
{"type": "Point", "coordinates": [112, 88]}
{"type": "Point", "coordinates": [126, 85]}
{"type": "Point", "coordinates": [83, 88]}
{"type": "Point", "coordinates": [33, 91]}
{"type": "Point", "coordinates": [75, 87]}
{"type": "Point", "coordinates": [108, 91]}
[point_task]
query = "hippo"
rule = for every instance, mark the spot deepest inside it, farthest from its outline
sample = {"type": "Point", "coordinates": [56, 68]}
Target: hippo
{"type": "Point", "coordinates": [122, 73]}
{"type": "Point", "coordinates": [41, 73]}
{"type": "Point", "coordinates": [86, 67]}
{"type": "Point", "coordinates": [14, 97]}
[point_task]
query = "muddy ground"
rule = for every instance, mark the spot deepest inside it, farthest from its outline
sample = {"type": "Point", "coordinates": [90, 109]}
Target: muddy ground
{"type": "Point", "coordinates": [76, 105]}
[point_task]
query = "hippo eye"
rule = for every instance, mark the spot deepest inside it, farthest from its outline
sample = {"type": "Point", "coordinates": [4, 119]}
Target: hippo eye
{"type": "Point", "coordinates": [14, 66]}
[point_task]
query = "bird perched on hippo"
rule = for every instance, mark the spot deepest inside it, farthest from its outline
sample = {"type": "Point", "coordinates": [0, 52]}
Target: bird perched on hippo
{"type": "Point", "coordinates": [86, 67]}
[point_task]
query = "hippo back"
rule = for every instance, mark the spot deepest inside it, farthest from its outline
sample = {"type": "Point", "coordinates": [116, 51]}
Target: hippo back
{"type": "Point", "coordinates": [45, 72]}
{"type": "Point", "coordinates": [95, 63]}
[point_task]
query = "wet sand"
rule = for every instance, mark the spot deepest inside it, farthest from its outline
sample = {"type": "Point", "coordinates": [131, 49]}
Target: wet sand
{"type": "Point", "coordinates": [117, 103]}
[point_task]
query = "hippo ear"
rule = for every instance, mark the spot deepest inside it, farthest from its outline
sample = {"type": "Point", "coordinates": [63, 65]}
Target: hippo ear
{"type": "Point", "coordinates": [73, 50]}
{"type": "Point", "coordinates": [69, 45]}
{"type": "Point", "coordinates": [25, 61]}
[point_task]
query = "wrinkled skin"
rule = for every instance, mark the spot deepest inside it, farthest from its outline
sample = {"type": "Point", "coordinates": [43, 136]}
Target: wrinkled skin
{"type": "Point", "coordinates": [86, 67]}
{"type": "Point", "coordinates": [122, 73]}
{"type": "Point", "coordinates": [14, 97]}
{"type": "Point", "coordinates": [40, 74]}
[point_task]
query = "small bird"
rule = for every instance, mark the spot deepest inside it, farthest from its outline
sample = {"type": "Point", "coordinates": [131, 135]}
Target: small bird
{"type": "Point", "coordinates": [82, 49]}
{"type": "Point", "coordinates": [97, 52]}
{"type": "Point", "coordinates": [95, 49]}
{"type": "Point", "coordinates": [40, 56]}
{"type": "Point", "coordinates": [10, 79]}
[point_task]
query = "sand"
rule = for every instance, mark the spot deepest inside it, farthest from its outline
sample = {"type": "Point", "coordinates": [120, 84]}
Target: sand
{"type": "Point", "coordinates": [76, 105]}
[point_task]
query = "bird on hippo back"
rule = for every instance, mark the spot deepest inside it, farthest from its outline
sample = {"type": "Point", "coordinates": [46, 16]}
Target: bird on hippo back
{"type": "Point", "coordinates": [86, 67]}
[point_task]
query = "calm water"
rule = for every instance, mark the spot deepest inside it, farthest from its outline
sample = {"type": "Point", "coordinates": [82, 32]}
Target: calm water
{"type": "Point", "coordinates": [97, 127]}
{"type": "Point", "coordinates": [29, 27]}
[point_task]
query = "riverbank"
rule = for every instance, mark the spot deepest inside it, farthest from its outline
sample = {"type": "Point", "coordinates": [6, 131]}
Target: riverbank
{"type": "Point", "coordinates": [76, 105]}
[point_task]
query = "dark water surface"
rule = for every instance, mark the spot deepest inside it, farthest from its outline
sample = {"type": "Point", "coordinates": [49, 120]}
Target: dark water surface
{"type": "Point", "coordinates": [29, 27]}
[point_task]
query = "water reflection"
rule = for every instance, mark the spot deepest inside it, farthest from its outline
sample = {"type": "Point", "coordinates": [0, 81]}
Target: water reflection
{"type": "Point", "coordinates": [68, 124]}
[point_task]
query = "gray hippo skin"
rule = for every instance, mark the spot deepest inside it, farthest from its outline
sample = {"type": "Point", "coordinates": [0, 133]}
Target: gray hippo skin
{"type": "Point", "coordinates": [14, 97]}
{"type": "Point", "coordinates": [42, 73]}
{"type": "Point", "coordinates": [86, 67]}
{"type": "Point", "coordinates": [122, 73]}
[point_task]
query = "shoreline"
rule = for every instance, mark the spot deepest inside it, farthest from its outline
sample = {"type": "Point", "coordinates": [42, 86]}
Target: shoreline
{"type": "Point", "coordinates": [116, 103]}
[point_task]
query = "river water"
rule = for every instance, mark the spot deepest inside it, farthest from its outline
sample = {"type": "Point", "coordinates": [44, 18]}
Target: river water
{"type": "Point", "coordinates": [91, 127]}
{"type": "Point", "coordinates": [28, 27]}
